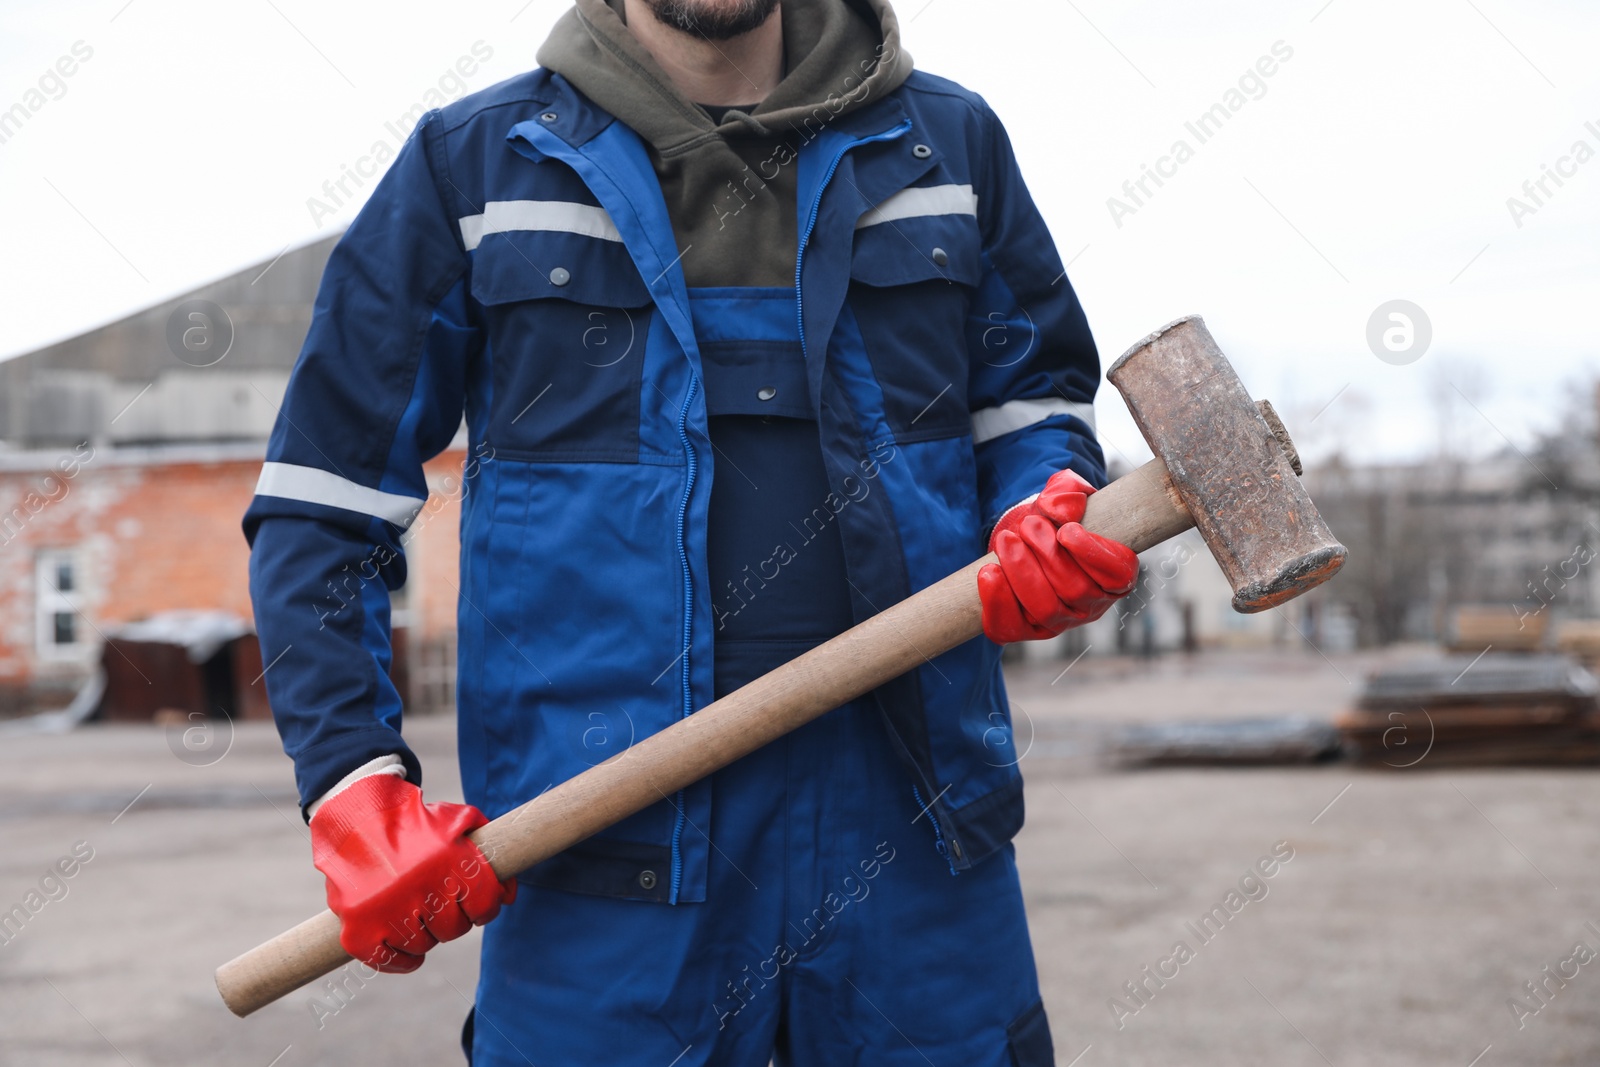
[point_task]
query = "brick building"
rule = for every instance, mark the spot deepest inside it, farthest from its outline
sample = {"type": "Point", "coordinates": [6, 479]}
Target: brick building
{"type": "Point", "coordinates": [127, 458]}
{"type": "Point", "coordinates": [129, 453]}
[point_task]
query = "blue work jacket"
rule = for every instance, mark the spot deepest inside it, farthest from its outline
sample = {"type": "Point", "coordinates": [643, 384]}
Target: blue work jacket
{"type": "Point", "coordinates": [516, 267]}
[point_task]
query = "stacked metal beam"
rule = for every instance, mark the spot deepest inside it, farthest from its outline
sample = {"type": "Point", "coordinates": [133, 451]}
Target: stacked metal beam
{"type": "Point", "coordinates": [1496, 708]}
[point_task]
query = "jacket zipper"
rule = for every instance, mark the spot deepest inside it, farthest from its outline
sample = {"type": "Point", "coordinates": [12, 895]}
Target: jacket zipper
{"type": "Point", "coordinates": [816, 207]}
{"type": "Point", "coordinates": [688, 617]}
{"type": "Point", "coordinates": [676, 880]}
{"type": "Point", "coordinates": [800, 313]}
{"type": "Point", "coordinates": [938, 835]}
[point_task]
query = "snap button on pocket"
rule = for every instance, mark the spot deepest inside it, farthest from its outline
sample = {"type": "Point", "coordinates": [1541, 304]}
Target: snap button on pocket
{"type": "Point", "coordinates": [921, 151]}
{"type": "Point", "coordinates": [941, 258]}
{"type": "Point", "coordinates": [549, 116]}
{"type": "Point", "coordinates": [560, 276]}
{"type": "Point", "coordinates": [647, 879]}
{"type": "Point", "coordinates": [766, 392]}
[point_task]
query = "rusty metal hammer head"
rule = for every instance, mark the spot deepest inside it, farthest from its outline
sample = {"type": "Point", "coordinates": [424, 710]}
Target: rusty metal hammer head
{"type": "Point", "coordinates": [1234, 472]}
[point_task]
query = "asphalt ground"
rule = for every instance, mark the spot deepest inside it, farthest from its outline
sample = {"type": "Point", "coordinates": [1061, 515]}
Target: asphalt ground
{"type": "Point", "coordinates": [1404, 913]}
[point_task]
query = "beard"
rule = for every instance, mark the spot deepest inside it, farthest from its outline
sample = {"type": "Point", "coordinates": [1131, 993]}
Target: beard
{"type": "Point", "coordinates": [710, 19]}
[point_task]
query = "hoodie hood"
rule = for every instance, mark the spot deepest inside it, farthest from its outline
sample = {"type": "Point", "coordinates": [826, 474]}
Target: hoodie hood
{"type": "Point", "coordinates": [731, 202]}
{"type": "Point", "coordinates": [834, 50]}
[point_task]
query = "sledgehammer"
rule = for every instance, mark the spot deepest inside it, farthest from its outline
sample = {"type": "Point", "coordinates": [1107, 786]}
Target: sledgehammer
{"type": "Point", "coordinates": [1221, 465]}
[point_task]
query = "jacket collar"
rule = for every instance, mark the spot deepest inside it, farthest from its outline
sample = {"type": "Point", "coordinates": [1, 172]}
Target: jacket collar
{"type": "Point", "coordinates": [567, 114]}
{"type": "Point", "coordinates": [612, 161]}
{"type": "Point", "coordinates": [577, 120]}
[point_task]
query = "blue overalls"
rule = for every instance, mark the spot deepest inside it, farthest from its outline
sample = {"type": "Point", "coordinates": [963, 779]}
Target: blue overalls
{"type": "Point", "coordinates": [516, 265]}
{"type": "Point", "coordinates": [830, 928]}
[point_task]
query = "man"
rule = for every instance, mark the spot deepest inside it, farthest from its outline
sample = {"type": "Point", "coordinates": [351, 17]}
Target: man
{"type": "Point", "coordinates": [755, 331]}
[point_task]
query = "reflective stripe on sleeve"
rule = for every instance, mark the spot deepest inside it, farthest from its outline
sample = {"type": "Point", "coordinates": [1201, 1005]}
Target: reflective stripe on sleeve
{"type": "Point", "coordinates": [990, 423]}
{"type": "Point", "coordinates": [314, 486]}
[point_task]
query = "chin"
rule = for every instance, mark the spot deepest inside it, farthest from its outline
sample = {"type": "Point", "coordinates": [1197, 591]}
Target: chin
{"type": "Point", "coordinates": [716, 20]}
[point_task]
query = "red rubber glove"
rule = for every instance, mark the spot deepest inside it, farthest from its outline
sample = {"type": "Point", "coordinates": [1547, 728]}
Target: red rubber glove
{"type": "Point", "coordinates": [402, 875]}
{"type": "Point", "coordinates": [1053, 574]}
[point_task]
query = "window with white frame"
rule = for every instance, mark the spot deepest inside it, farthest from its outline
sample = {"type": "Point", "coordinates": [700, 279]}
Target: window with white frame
{"type": "Point", "coordinates": [400, 606]}
{"type": "Point", "coordinates": [62, 633]}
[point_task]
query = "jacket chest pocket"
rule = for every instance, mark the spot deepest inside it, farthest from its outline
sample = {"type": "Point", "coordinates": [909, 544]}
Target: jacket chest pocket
{"type": "Point", "coordinates": [911, 285]}
{"type": "Point", "coordinates": [566, 317]}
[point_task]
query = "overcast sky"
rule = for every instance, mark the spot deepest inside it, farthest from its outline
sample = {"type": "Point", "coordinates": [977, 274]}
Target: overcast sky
{"type": "Point", "coordinates": [1374, 164]}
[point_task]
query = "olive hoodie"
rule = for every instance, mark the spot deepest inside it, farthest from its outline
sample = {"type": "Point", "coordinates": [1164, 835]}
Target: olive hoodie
{"type": "Point", "coordinates": [730, 188]}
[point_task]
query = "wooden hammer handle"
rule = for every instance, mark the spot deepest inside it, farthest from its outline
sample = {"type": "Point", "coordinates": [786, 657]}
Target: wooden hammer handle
{"type": "Point", "coordinates": [1139, 510]}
